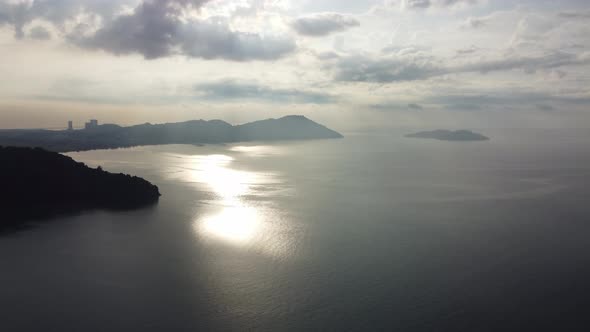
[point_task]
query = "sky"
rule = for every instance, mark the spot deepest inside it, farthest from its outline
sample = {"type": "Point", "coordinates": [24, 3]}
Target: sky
{"type": "Point", "coordinates": [353, 65]}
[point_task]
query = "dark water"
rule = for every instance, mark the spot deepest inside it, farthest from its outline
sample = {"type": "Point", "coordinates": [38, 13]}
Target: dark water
{"type": "Point", "coordinates": [365, 233]}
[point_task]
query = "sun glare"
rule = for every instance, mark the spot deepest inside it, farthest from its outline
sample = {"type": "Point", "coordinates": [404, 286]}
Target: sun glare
{"type": "Point", "coordinates": [236, 223]}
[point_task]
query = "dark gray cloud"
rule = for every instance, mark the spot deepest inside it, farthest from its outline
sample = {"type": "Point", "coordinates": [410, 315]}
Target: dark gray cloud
{"type": "Point", "coordinates": [360, 68]}
{"type": "Point", "coordinates": [211, 40]}
{"type": "Point", "coordinates": [418, 3]}
{"type": "Point", "coordinates": [415, 107]}
{"type": "Point", "coordinates": [575, 15]}
{"type": "Point", "coordinates": [39, 33]}
{"type": "Point", "coordinates": [55, 11]}
{"type": "Point", "coordinates": [154, 29]}
{"type": "Point", "coordinates": [323, 24]}
{"type": "Point", "coordinates": [232, 90]}
{"type": "Point", "coordinates": [149, 30]}
{"type": "Point", "coordinates": [13, 14]}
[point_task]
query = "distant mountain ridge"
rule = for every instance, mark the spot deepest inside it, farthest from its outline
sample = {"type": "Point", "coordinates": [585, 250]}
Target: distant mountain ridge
{"type": "Point", "coordinates": [292, 127]}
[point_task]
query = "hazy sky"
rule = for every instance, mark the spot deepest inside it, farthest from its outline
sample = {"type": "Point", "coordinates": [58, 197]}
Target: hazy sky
{"type": "Point", "coordinates": [352, 64]}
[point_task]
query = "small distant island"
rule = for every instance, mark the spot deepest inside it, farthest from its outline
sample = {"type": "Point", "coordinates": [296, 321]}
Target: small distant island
{"type": "Point", "coordinates": [449, 135]}
{"type": "Point", "coordinates": [109, 136]}
{"type": "Point", "coordinates": [37, 184]}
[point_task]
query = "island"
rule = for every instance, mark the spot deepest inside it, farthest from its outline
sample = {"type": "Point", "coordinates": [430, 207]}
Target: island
{"type": "Point", "coordinates": [108, 136]}
{"type": "Point", "coordinates": [37, 184]}
{"type": "Point", "coordinates": [449, 135]}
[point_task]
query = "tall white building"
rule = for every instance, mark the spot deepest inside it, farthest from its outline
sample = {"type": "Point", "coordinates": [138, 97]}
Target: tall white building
{"type": "Point", "coordinates": [91, 124]}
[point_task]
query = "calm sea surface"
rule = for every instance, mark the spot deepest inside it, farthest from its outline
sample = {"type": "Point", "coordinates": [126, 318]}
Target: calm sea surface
{"type": "Point", "coordinates": [367, 233]}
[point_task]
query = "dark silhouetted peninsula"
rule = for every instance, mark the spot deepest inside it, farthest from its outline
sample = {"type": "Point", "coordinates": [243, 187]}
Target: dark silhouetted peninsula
{"type": "Point", "coordinates": [37, 184]}
{"type": "Point", "coordinates": [449, 135]}
{"type": "Point", "coordinates": [107, 136]}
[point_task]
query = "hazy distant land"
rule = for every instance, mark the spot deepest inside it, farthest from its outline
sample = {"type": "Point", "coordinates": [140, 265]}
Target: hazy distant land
{"type": "Point", "coordinates": [106, 136]}
{"type": "Point", "coordinates": [449, 135]}
{"type": "Point", "coordinates": [38, 184]}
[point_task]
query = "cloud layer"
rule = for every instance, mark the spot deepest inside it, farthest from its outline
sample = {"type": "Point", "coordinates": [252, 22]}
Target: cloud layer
{"type": "Point", "coordinates": [423, 4]}
{"type": "Point", "coordinates": [20, 13]}
{"type": "Point", "coordinates": [154, 29]}
{"type": "Point", "coordinates": [396, 68]}
{"type": "Point", "coordinates": [323, 24]}
{"type": "Point", "coordinates": [230, 90]}
{"type": "Point", "coordinates": [365, 57]}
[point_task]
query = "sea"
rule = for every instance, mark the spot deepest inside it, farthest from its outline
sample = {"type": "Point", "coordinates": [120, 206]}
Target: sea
{"type": "Point", "coordinates": [372, 232]}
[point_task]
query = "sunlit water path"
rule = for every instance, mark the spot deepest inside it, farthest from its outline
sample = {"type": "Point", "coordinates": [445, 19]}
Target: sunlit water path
{"type": "Point", "coordinates": [241, 210]}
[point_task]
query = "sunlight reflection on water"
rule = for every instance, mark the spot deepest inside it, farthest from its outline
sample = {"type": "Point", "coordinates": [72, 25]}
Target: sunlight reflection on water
{"type": "Point", "coordinates": [257, 150]}
{"type": "Point", "coordinates": [236, 224]}
{"type": "Point", "coordinates": [240, 213]}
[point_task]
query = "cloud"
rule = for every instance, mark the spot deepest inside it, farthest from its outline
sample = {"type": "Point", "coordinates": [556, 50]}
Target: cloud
{"type": "Point", "coordinates": [424, 4]}
{"type": "Point", "coordinates": [417, 3]}
{"type": "Point", "coordinates": [19, 14]}
{"type": "Point", "coordinates": [363, 68]}
{"type": "Point", "coordinates": [575, 15]}
{"type": "Point", "coordinates": [527, 63]}
{"type": "Point", "coordinates": [388, 105]}
{"type": "Point", "coordinates": [211, 40]}
{"type": "Point", "coordinates": [153, 29]}
{"type": "Point", "coordinates": [388, 69]}
{"type": "Point", "coordinates": [157, 29]}
{"type": "Point", "coordinates": [233, 90]}
{"type": "Point", "coordinates": [12, 14]}
{"type": "Point", "coordinates": [40, 33]}
{"type": "Point", "coordinates": [545, 107]}
{"type": "Point", "coordinates": [463, 107]}
{"type": "Point", "coordinates": [532, 29]}
{"type": "Point", "coordinates": [446, 3]}
{"type": "Point", "coordinates": [221, 91]}
{"type": "Point", "coordinates": [468, 50]}
{"type": "Point", "coordinates": [323, 24]}
{"type": "Point", "coordinates": [414, 50]}
{"type": "Point", "coordinates": [474, 23]}
{"type": "Point", "coordinates": [567, 31]}
{"type": "Point", "coordinates": [505, 98]}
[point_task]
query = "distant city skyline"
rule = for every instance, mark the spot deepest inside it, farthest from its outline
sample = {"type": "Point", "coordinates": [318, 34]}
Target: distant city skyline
{"type": "Point", "coordinates": [354, 65]}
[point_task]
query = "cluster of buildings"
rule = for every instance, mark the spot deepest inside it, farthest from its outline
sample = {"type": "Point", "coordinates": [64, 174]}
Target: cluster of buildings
{"type": "Point", "coordinates": [88, 125]}
{"type": "Point", "coordinates": [91, 124]}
